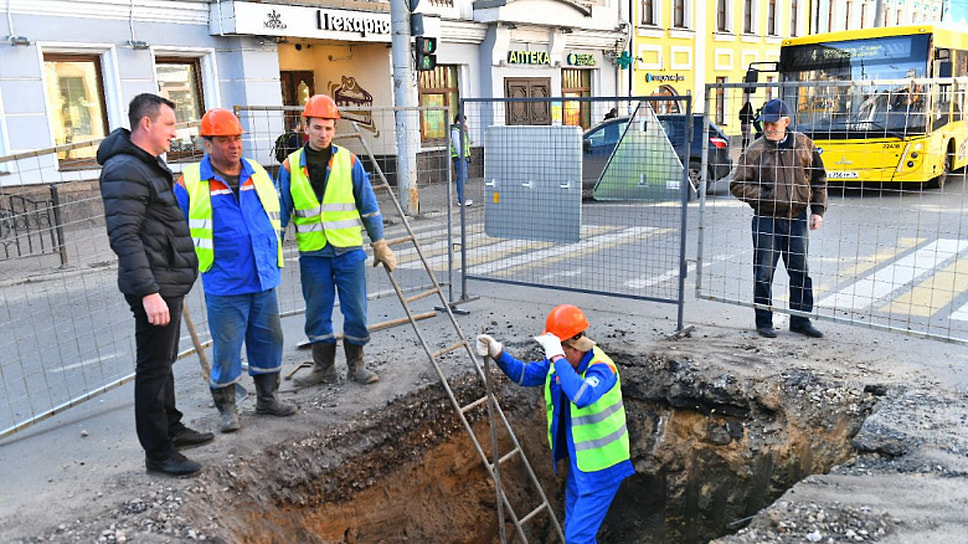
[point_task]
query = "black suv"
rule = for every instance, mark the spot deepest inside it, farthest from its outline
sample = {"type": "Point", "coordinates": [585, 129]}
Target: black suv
{"type": "Point", "coordinates": [600, 140]}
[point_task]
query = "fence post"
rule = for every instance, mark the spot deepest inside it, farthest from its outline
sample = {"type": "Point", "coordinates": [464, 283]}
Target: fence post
{"type": "Point", "coordinates": [58, 225]}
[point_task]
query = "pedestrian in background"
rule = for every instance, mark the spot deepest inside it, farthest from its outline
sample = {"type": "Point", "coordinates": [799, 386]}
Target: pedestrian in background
{"type": "Point", "coordinates": [585, 415]}
{"type": "Point", "coordinates": [746, 120]}
{"type": "Point", "coordinates": [156, 269]}
{"type": "Point", "coordinates": [781, 176]}
{"type": "Point", "coordinates": [233, 213]}
{"type": "Point", "coordinates": [460, 155]}
{"type": "Point", "coordinates": [328, 193]}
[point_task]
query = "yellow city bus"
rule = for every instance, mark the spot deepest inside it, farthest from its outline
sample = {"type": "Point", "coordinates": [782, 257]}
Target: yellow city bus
{"type": "Point", "coordinates": [885, 105]}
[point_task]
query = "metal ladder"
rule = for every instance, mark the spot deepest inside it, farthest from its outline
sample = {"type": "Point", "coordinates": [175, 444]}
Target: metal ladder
{"type": "Point", "coordinates": [494, 409]}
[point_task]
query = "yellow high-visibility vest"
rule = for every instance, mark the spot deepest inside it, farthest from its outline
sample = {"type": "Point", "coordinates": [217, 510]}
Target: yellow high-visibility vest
{"type": "Point", "coordinates": [200, 210]}
{"type": "Point", "coordinates": [599, 431]}
{"type": "Point", "coordinates": [336, 220]}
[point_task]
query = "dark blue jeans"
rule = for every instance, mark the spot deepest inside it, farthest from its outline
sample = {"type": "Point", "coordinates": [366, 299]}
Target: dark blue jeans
{"type": "Point", "coordinates": [774, 238]}
{"type": "Point", "coordinates": [460, 167]}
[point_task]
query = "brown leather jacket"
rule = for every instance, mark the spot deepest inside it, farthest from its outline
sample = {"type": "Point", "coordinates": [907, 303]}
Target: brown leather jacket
{"type": "Point", "coordinates": [781, 179]}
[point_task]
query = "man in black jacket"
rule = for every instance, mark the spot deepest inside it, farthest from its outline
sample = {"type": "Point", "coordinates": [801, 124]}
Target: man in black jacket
{"type": "Point", "coordinates": [156, 269]}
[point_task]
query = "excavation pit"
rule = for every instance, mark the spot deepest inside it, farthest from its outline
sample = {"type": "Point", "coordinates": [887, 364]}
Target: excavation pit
{"type": "Point", "coordinates": [711, 447]}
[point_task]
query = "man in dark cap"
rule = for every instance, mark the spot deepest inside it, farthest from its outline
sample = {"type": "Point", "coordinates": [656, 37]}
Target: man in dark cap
{"type": "Point", "coordinates": [781, 176]}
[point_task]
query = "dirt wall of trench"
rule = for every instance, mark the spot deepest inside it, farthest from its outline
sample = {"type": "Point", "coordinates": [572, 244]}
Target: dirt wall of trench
{"type": "Point", "coordinates": [710, 449]}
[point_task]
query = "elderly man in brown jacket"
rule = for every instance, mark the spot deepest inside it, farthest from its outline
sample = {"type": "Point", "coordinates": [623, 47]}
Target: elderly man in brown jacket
{"type": "Point", "coordinates": [781, 176]}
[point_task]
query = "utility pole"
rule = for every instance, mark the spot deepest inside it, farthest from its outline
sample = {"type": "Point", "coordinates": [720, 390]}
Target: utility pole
{"type": "Point", "coordinates": [405, 117]}
{"type": "Point", "coordinates": [879, 13]}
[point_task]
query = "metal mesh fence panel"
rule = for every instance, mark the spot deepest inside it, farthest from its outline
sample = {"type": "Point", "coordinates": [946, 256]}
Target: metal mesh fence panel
{"type": "Point", "coordinates": [579, 194]}
{"type": "Point", "coordinates": [66, 333]}
{"type": "Point", "coordinates": [891, 250]}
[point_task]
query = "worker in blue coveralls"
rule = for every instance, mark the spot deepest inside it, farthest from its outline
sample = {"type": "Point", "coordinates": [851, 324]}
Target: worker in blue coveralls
{"type": "Point", "coordinates": [328, 193]}
{"type": "Point", "coordinates": [233, 215]}
{"type": "Point", "coordinates": [586, 416]}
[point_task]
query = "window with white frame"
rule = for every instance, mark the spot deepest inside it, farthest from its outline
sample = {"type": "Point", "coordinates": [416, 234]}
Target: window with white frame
{"type": "Point", "coordinates": [680, 14]}
{"type": "Point", "coordinates": [748, 17]}
{"type": "Point", "coordinates": [179, 81]}
{"type": "Point", "coordinates": [648, 13]}
{"type": "Point", "coordinates": [794, 17]}
{"type": "Point", "coordinates": [722, 16]}
{"type": "Point", "coordinates": [771, 18]}
{"type": "Point", "coordinates": [75, 93]}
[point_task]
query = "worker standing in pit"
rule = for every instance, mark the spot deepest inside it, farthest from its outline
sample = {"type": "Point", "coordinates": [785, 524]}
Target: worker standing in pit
{"type": "Point", "coordinates": [585, 413]}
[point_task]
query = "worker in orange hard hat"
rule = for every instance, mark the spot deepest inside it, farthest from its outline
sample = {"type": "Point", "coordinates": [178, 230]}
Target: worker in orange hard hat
{"type": "Point", "coordinates": [585, 414]}
{"type": "Point", "coordinates": [233, 214]}
{"type": "Point", "coordinates": [328, 193]}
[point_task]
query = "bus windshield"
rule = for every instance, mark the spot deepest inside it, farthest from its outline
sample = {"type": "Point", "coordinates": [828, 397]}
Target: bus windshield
{"type": "Point", "coordinates": [861, 110]}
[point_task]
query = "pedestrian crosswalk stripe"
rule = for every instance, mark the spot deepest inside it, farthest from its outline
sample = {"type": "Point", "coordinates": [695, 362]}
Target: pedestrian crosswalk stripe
{"type": "Point", "coordinates": [934, 293]}
{"type": "Point", "coordinates": [558, 251]}
{"type": "Point", "coordinates": [497, 248]}
{"type": "Point", "coordinates": [889, 279]}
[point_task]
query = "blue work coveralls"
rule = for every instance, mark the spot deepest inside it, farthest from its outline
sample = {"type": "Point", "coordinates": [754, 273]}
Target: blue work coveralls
{"type": "Point", "coordinates": [329, 270]}
{"type": "Point", "coordinates": [240, 287]}
{"type": "Point", "coordinates": [588, 495]}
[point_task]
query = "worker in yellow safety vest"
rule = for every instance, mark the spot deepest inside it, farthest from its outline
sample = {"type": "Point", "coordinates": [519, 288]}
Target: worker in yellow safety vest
{"type": "Point", "coordinates": [233, 215]}
{"type": "Point", "coordinates": [328, 194]}
{"type": "Point", "coordinates": [585, 414]}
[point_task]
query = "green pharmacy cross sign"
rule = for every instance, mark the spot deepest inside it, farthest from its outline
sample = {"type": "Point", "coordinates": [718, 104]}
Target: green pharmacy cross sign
{"type": "Point", "coordinates": [624, 60]}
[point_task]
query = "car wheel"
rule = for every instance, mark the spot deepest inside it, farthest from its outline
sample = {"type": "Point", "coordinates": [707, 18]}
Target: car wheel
{"type": "Point", "coordinates": [695, 177]}
{"type": "Point", "coordinates": [949, 163]}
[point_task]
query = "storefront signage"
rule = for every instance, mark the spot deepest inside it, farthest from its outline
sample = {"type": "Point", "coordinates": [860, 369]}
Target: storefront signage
{"type": "Point", "coordinates": [350, 21]}
{"type": "Point", "coordinates": [664, 78]}
{"type": "Point", "coordinates": [258, 19]}
{"type": "Point", "coordinates": [529, 57]}
{"type": "Point", "coordinates": [581, 59]}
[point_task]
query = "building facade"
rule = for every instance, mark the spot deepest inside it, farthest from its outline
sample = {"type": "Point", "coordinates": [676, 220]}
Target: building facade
{"type": "Point", "coordinates": [69, 68]}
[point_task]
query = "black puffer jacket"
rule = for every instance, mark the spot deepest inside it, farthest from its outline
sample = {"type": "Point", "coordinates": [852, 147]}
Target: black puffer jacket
{"type": "Point", "coordinates": [146, 226]}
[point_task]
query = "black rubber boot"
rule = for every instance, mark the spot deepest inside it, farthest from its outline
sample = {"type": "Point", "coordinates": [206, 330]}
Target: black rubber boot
{"type": "Point", "coordinates": [324, 366]}
{"type": "Point", "coordinates": [266, 402]}
{"type": "Point", "coordinates": [225, 402]}
{"type": "Point", "coordinates": [357, 368]}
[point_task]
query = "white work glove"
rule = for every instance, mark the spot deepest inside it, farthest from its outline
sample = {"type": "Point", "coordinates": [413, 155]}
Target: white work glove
{"type": "Point", "coordinates": [486, 345]}
{"type": "Point", "coordinates": [551, 345]}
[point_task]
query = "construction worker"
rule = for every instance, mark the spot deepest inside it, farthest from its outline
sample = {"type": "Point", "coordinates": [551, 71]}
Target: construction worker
{"type": "Point", "coordinates": [586, 416]}
{"type": "Point", "coordinates": [329, 194]}
{"type": "Point", "coordinates": [233, 214]}
{"type": "Point", "coordinates": [460, 156]}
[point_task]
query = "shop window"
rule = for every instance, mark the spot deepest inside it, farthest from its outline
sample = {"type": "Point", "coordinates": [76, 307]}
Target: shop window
{"type": "Point", "coordinates": [178, 81]}
{"type": "Point", "coordinates": [75, 92]}
{"type": "Point", "coordinates": [437, 88]}
{"type": "Point", "coordinates": [574, 84]}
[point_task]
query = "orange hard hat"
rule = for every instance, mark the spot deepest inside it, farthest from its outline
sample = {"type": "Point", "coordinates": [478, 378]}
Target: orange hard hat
{"type": "Point", "coordinates": [220, 122]}
{"type": "Point", "coordinates": [321, 106]}
{"type": "Point", "coordinates": [566, 321]}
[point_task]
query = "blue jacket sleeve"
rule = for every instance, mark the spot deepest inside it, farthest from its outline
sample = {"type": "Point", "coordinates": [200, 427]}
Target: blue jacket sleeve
{"type": "Point", "coordinates": [526, 374]}
{"type": "Point", "coordinates": [599, 379]}
{"type": "Point", "coordinates": [366, 202]}
{"type": "Point", "coordinates": [181, 193]}
{"type": "Point", "coordinates": [285, 195]}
